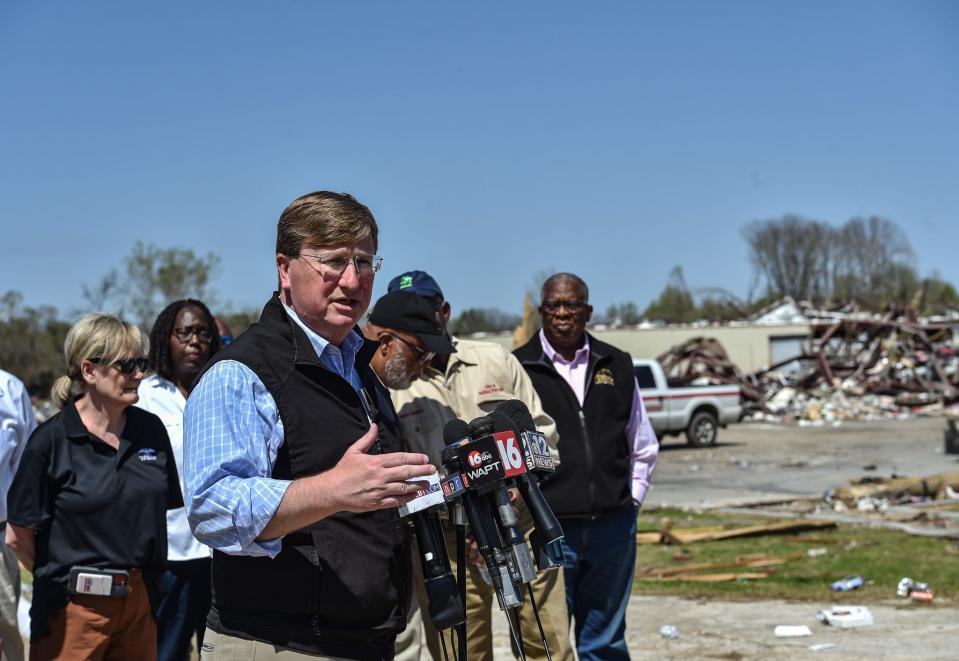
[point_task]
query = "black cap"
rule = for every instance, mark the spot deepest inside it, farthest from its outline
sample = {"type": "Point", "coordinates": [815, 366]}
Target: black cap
{"type": "Point", "coordinates": [404, 311]}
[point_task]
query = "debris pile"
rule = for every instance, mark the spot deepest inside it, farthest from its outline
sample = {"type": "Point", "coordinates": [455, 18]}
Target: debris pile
{"type": "Point", "coordinates": [703, 361]}
{"type": "Point", "coordinates": [854, 367]}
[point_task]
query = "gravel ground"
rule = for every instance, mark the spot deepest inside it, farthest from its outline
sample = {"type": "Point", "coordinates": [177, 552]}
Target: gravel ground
{"type": "Point", "coordinates": [758, 462]}
{"type": "Point", "coordinates": [744, 630]}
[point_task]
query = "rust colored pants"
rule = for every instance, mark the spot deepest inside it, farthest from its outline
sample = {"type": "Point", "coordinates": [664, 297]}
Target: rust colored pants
{"type": "Point", "coordinates": [101, 628]}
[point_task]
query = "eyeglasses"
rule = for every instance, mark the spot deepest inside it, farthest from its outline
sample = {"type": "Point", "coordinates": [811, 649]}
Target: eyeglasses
{"type": "Point", "coordinates": [572, 306]}
{"type": "Point", "coordinates": [422, 357]}
{"type": "Point", "coordinates": [202, 333]}
{"type": "Point", "coordinates": [127, 366]}
{"type": "Point", "coordinates": [335, 265]}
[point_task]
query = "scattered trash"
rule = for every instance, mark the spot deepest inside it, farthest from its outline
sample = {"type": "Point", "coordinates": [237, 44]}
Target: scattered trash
{"type": "Point", "coordinates": [922, 595]}
{"type": "Point", "coordinates": [848, 583]}
{"type": "Point", "coordinates": [846, 617]}
{"type": "Point", "coordinates": [915, 590]}
{"type": "Point", "coordinates": [818, 647]}
{"type": "Point", "coordinates": [792, 630]}
{"type": "Point", "coordinates": [869, 504]}
{"type": "Point", "coordinates": [905, 587]}
{"type": "Point", "coordinates": [669, 632]}
{"type": "Point", "coordinates": [878, 494]}
{"type": "Point", "coordinates": [816, 553]}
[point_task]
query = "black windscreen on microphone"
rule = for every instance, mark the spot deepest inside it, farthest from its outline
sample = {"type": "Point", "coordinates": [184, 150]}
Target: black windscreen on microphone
{"type": "Point", "coordinates": [507, 417]}
{"type": "Point", "coordinates": [519, 413]}
{"type": "Point", "coordinates": [503, 422]}
{"type": "Point", "coordinates": [481, 426]}
{"type": "Point", "coordinates": [455, 431]}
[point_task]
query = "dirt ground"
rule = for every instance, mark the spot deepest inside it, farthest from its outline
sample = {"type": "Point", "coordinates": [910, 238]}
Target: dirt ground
{"type": "Point", "coordinates": [758, 462]}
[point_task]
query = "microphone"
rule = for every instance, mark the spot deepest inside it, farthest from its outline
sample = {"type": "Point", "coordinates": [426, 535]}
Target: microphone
{"type": "Point", "coordinates": [476, 462]}
{"type": "Point", "coordinates": [548, 533]}
{"type": "Point", "coordinates": [514, 467]}
{"type": "Point", "coordinates": [445, 607]}
{"type": "Point", "coordinates": [535, 448]}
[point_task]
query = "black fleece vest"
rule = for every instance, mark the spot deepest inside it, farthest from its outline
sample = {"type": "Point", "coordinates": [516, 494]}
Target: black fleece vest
{"type": "Point", "coordinates": [342, 586]}
{"type": "Point", "coordinates": [593, 477]}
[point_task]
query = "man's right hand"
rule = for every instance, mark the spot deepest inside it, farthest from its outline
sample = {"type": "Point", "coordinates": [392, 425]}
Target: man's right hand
{"type": "Point", "coordinates": [362, 482]}
{"type": "Point", "coordinates": [359, 482]}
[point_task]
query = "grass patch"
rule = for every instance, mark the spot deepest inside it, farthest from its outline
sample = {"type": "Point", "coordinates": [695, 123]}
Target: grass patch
{"type": "Point", "coordinates": [880, 556]}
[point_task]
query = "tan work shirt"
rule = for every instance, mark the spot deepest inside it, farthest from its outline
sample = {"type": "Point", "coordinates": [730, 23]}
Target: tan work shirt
{"type": "Point", "coordinates": [479, 376]}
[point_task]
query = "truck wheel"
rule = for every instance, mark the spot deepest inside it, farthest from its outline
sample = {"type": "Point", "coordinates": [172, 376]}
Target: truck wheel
{"type": "Point", "coordinates": [702, 430]}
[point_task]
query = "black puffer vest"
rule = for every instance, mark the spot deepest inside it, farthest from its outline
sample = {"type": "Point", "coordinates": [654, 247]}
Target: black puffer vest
{"type": "Point", "coordinates": [342, 586]}
{"type": "Point", "coordinates": [593, 478]}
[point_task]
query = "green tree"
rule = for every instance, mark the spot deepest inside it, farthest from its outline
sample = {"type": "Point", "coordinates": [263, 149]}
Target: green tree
{"type": "Point", "coordinates": [675, 304]}
{"type": "Point", "coordinates": [718, 309]}
{"type": "Point", "coordinates": [31, 342]}
{"type": "Point", "coordinates": [623, 314]}
{"type": "Point", "coordinates": [483, 320]}
{"type": "Point", "coordinates": [152, 278]}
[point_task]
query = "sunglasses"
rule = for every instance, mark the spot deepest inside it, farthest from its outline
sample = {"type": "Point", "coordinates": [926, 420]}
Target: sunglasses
{"type": "Point", "coordinates": [423, 357]}
{"type": "Point", "coordinates": [129, 365]}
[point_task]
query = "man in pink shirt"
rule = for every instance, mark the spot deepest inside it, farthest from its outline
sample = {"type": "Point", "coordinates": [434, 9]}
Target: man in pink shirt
{"type": "Point", "coordinates": [609, 451]}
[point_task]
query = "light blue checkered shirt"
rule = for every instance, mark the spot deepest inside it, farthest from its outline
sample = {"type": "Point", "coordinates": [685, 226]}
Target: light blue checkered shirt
{"type": "Point", "coordinates": [232, 433]}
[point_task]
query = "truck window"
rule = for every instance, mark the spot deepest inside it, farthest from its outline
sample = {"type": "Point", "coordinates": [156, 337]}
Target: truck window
{"type": "Point", "coordinates": [644, 376]}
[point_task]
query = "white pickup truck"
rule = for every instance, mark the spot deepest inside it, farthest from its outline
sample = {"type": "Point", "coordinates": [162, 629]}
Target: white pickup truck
{"type": "Point", "coordinates": [674, 406]}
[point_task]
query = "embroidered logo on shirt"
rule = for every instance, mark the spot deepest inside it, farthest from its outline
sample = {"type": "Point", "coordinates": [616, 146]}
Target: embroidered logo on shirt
{"type": "Point", "coordinates": [490, 388]}
{"type": "Point", "coordinates": [147, 454]}
{"type": "Point", "coordinates": [604, 377]}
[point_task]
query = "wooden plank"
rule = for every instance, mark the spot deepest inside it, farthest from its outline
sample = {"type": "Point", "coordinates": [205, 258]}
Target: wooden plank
{"type": "Point", "coordinates": [751, 562]}
{"type": "Point", "coordinates": [709, 578]}
{"type": "Point", "coordinates": [679, 537]}
{"type": "Point", "coordinates": [649, 538]}
{"type": "Point", "coordinates": [912, 485]}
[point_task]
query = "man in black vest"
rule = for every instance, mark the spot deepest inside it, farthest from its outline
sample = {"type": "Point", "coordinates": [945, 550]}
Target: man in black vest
{"type": "Point", "coordinates": [609, 451]}
{"type": "Point", "coordinates": [287, 478]}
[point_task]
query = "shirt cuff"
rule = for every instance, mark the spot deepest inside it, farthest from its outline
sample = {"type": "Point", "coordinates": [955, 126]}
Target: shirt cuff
{"type": "Point", "coordinates": [267, 494]}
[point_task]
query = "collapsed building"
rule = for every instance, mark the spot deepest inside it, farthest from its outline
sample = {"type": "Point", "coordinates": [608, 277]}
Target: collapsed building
{"type": "Point", "coordinates": [853, 366]}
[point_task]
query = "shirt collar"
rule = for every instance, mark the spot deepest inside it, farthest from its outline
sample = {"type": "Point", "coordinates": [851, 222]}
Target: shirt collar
{"type": "Point", "coordinates": [582, 353]}
{"type": "Point", "coordinates": [156, 381]}
{"type": "Point", "coordinates": [348, 349]}
{"type": "Point", "coordinates": [457, 356]}
{"type": "Point", "coordinates": [72, 423]}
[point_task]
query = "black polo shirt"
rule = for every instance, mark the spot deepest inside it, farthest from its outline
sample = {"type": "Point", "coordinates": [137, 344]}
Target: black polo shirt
{"type": "Point", "coordinates": [92, 504]}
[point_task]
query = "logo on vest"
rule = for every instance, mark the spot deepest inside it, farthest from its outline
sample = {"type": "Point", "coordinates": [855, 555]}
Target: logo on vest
{"type": "Point", "coordinates": [604, 377]}
{"type": "Point", "coordinates": [147, 454]}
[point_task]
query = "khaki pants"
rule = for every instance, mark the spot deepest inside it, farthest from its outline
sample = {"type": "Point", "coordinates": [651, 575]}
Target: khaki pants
{"type": "Point", "coordinates": [410, 641]}
{"type": "Point", "coordinates": [98, 628]}
{"type": "Point", "coordinates": [220, 647]}
{"type": "Point", "coordinates": [9, 600]}
{"type": "Point", "coordinates": [548, 589]}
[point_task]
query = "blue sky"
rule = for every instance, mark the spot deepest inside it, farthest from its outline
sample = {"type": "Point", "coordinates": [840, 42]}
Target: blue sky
{"type": "Point", "coordinates": [492, 141]}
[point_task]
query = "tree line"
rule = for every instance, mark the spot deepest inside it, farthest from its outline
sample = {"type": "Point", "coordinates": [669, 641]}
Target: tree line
{"type": "Point", "coordinates": [145, 281]}
{"type": "Point", "coordinates": [866, 262]}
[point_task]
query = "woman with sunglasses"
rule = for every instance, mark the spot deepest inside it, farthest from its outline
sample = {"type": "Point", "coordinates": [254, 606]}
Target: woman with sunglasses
{"type": "Point", "coordinates": [87, 507]}
{"type": "Point", "coordinates": [183, 338]}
